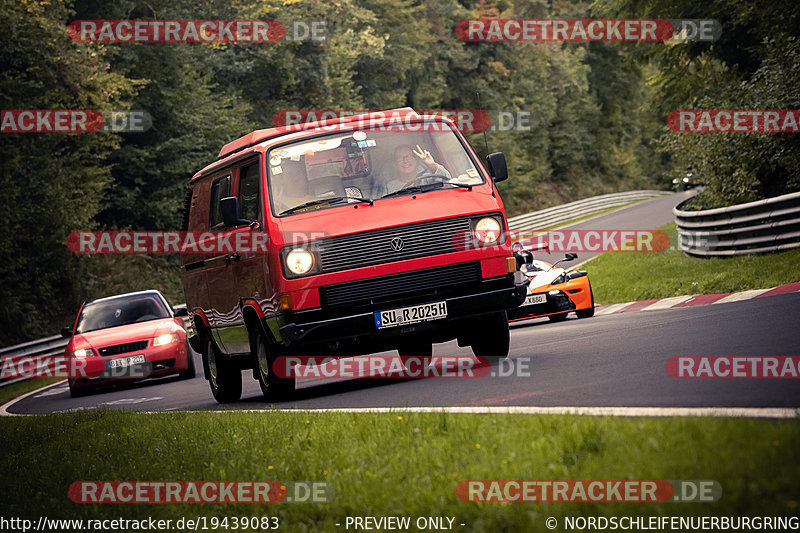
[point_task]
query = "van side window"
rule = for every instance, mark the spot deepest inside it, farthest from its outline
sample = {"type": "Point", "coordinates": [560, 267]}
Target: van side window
{"type": "Point", "coordinates": [248, 192]}
{"type": "Point", "coordinates": [187, 204]}
{"type": "Point", "coordinates": [220, 189]}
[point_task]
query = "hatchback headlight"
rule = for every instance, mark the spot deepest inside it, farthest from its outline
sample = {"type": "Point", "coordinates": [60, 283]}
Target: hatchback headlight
{"type": "Point", "coordinates": [82, 352]}
{"type": "Point", "coordinates": [166, 338]}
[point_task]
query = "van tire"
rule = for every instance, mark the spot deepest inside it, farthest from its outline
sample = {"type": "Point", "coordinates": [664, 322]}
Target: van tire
{"type": "Point", "coordinates": [272, 386]}
{"type": "Point", "coordinates": [225, 380]}
{"type": "Point", "coordinates": [495, 339]}
{"type": "Point", "coordinates": [415, 349]}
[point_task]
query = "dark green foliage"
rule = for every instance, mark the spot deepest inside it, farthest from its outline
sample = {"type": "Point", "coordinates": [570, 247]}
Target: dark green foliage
{"type": "Point", "coordinates": [596, 109]}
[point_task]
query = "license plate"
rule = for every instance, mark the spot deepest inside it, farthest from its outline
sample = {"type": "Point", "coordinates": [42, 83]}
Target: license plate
{"type": "Point", "coordinates": [534, 299]}
{"type": "Point", "coordinates": [125, 361]}
{"type": "Point", "coordinates": [410, 315]}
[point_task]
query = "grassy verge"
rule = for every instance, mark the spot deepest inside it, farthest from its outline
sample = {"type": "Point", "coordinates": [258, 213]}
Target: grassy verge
{"type": "Point", "coordinates": [395, 464]}
{"type": "Point", "coordinates": [630, 276]}
{"type": "Point", "coordinates": [9, 392]}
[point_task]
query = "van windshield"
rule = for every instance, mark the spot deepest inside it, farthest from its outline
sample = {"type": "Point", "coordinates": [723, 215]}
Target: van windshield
{"type": "Point", "coordinates": [356, 166]}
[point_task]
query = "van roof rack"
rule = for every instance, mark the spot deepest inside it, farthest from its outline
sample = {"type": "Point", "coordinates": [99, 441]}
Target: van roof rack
{"type": "Point", "coordinates": [257, 136]}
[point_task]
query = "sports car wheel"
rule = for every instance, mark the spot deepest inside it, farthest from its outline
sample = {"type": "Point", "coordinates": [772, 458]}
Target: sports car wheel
{"type": "Point", "coordinates": [560, 317]}
{"type": "Point", "coordinates": [225, 380]}
{"type": "Point", "coordinates": [491, 337]}
{"type": "Point", "coordinates": [272, 386]}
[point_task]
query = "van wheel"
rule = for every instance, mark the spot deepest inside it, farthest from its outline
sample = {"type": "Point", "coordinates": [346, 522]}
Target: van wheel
{"type": "Point", "coordinates": [586, 313]}
{"type": "Point", "coordinates": [492, 338]}
{"type": "Point", "coordinates": [190, 371]}
{"type": "Point", "coordinates": [415, 349]}
{"type": "Point", "coordinates": [225, 380]}
{"type": "Point", "coordinates": [272, 386]}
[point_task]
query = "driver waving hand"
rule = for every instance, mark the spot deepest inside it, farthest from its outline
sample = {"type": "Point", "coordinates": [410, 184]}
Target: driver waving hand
{"type": "Point", "coordinates": [408, 165]}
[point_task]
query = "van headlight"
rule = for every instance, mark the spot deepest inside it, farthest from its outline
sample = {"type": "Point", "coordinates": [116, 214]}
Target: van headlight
{"type": "Point", "coordinates": [487, 230]}
{"type": "Point", "coordinates": [299, 261]}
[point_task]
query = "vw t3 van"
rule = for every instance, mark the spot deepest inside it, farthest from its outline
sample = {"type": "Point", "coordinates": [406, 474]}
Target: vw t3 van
{"type": "Point", "coordinates": [381, 231]}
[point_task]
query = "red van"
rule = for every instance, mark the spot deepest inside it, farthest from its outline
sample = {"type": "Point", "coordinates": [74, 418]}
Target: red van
{"type": "Point", "coordinates": [382, 231]}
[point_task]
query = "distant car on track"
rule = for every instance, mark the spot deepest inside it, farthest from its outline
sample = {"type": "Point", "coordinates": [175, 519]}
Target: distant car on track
{"type": "Point", "coordinates": [126, 337]}
{"type": "Point", "coordinates": [553, 292]}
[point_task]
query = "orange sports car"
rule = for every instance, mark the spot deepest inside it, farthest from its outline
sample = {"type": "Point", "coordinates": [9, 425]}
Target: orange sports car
{"type": "Point", "coordinates": [553, 292]}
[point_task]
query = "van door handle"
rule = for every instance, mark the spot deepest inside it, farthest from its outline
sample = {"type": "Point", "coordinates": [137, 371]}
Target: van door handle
{"type": "Point", "coordinates": [230, 258]}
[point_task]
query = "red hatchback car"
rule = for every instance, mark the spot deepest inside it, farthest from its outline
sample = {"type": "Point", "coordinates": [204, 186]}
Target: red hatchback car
{"type": "Point", "coordinates": [126, 337]}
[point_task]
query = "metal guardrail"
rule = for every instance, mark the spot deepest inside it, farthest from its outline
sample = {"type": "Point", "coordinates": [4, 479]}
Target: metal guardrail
{"type": "Point", "coordinates": [589, 206]}
{"type": "Point", "coordinates": [34, 350]}
{"type": "Point", "coordinates": [761, 226]}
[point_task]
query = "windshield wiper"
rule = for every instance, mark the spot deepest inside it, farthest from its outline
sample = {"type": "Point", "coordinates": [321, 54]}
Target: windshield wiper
{"type": "Point", "coordinates": [462, 185]}
{"type": "Point", "coordinates": [415, 188]}
{"type": "Point", "coordinates": [428, 186]}
{"type": "Point", "coordinates": [332, 199]}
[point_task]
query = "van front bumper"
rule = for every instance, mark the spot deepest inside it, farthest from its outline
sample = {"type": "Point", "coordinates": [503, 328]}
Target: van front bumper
{"type": "Point", "coordinates": [490, 296]}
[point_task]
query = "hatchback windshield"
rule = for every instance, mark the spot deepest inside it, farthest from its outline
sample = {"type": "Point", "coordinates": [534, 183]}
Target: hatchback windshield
{"type": "Point", "coordinates": [112, 312]}
{"type": "Point", "coordinates": [360, 166]}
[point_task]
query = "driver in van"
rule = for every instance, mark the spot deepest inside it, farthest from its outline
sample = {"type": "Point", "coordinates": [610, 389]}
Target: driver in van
{"type": "Point", "coordinates": [408, 165]}
{"type": "Point", "coordinates": [291, 186]}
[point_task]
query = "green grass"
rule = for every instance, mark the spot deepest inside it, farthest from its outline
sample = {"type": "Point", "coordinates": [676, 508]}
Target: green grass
{"type": "Point", "coordinates": [9, 392]}
{"type": "Point", "coordinates": [396, 463]}
{"type": "Point", "coordinates": [631, 276]}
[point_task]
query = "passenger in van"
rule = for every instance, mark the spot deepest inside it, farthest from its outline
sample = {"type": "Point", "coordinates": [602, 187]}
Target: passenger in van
{"type": "Point", "coordinates": [408, 165]}
{"type": "Point", "coordinates": [290, 187]}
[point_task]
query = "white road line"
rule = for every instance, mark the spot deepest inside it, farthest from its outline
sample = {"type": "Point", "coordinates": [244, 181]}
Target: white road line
{"type": "Point", "coordinates": [731, 412]}
{"type": "Point", "coordinates": [739, 296]}
{"type": "Point", "coordinates": [613, 308]}
{"type": "Point", "coordinates": [666, 303]}
{"type": "Point", "coordinates": [4, 408]}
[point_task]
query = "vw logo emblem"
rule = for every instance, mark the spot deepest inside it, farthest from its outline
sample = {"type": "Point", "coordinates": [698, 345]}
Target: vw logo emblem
{"type": "Point", "coordinates": [397, 244]}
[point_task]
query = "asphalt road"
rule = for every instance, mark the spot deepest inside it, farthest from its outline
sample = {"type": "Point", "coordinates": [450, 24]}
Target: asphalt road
{"type": "Point", "coordinates": [610, 360]}
{"type": "Point", "coordinates": [650, 214]}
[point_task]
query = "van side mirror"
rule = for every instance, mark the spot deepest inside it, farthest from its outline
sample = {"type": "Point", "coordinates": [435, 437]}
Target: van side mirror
{"type": "Point", "coordinates": [232, 212]}
{"type": "Point", "coordinates": [66, 332]}
{"type": "Point", "coordinates": [497, 166]}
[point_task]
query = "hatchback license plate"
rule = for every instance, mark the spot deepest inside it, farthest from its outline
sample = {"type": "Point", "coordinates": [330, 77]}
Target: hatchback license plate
{"type": "Point", "coordinates": [125, 361]}
{"type": "Point", "coordinates": [410, 315]}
